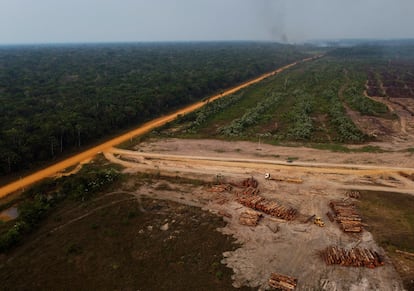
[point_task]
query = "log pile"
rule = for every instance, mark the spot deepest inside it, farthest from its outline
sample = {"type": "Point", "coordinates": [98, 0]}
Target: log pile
{"type": "Point", "coordinates": [224, 213]}
{"type": "Point", "coordinates": [347, 216]}
{"type": "Point", "coordinates": [269, 207]}
{"type": "Point", "coordinates": [248, 192]}
{"type": "Point", "coordinates": [356, 257]}
{"type": "Point", "coordinates": [407, 254]}
{"type": "Point", "coordinates": [282, 282]}
{"type": "Point", "coordinates": [353, 194]}
{"type": "Point", "coordinates": [250, 218]}
{"type": "Point", "coordinates": [220, 188]}
{"type": "Point", "coordinates": [289, 180]}
{"type": "Point", "coordinates": [408, 176]}
{"type": "Point", "coordinates": [221, 200]}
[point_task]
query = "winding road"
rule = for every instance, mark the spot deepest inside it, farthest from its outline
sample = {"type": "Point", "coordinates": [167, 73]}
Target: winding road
{"type": "Point", "coordinates": [144, 128]}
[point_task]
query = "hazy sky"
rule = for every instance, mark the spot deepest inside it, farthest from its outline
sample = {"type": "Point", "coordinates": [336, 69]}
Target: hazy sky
{"type": "Point", "coordinates": [45, 21]}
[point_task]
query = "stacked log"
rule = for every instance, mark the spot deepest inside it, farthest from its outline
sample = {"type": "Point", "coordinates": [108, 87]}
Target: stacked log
{"type": "Point", "coordinates": [224, 213]}
{"type": "Point", "coordinates": [220, 188]}
{"type": "Point", "coordinates": [221, 201]}
{"type": "Point", "coordinates": [347, 216]}
{"type": "Point", "coordinates": [289, 180]}
{"type": "Point", "coordinates": [353, 194]}
{"type": "Point", "coordinates": [250, 218]}
{"type": "Point", "coordinates": [248, 192]}
{"type": "Point", "coordinates": [250, 201]}
{"type": "Point", "coordinates": [282, 282]}
{"type": "Point", "coordinates": [356, 257]}
{"type": "Point", "coordinates": [408, 176]}
{"type": "Point", "coordinates": [269, 207]}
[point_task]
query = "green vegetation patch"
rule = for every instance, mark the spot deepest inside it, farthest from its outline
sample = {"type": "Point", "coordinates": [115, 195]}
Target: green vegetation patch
{"type": "Point", "coordinates": [300, 104]}
{"type": "Point", "coordinates": [390, 218]}
{"type": "Point", "coordinates": [41, 199]}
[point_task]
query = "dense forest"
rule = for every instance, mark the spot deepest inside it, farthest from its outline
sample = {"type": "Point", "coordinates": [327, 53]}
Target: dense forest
{"type": "Point", "coordinates": [57, 98]}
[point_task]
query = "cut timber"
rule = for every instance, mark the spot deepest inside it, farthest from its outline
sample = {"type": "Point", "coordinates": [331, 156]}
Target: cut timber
{"type": "Point", "coordinates": [353, 194]}
{"type": "Point", "coordinates": [405, 253]}
{"type": "Point", "coordinates": [356, 257]}
{"type": "Point", "coordinates": [224, 213]}
{"type": "Point", "coordinates": [289, 180]}
{"type": "Point", "coordinates": [269, 207]}
{"type": "Point", "coordinates": [248, 192]}
{"type": "Point", "coordinates": [250, 218]}
{"type": "Point", "coordinates": [220, 188]}
{"type": "Point", "coordinates": [282, 282]}
{"type": "Point", "coordinates": [347, 216]}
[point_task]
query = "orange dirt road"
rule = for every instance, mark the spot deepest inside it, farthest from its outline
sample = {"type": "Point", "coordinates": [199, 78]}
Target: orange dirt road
{"type": "Point", "coordinates": [146, 127]}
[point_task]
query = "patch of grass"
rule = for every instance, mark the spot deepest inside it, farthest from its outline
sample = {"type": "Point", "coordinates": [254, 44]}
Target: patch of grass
{"type": "Point", "coordinates": [344, 149]}
{"type": "Point", "coordinates": [410, 150]}
{"type": "Point", "coordinates": [331, 147]}
{"type": "Point", "coordinates": [73, 249]}
{"type": "Point", "coordinates": [291, 159]}
{"type": "Point", "coordinates": [219, 275]}
{"type": "Point", "coordinates": [390, 218]}
{"type": "Point", "coordinates": [219, 150]}
{"type": "Point", "coordinates": [150, 177]}
{"type": "Point", "coordinates": [369, 149]}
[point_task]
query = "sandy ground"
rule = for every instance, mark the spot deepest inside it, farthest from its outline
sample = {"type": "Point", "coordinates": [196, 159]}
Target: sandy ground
{"type": "Point", "coordinates": [275, 245]}
{"type": "Point", "coordinates": [392, 134]}
{"type": "Point", "coordinates": [241, 149]}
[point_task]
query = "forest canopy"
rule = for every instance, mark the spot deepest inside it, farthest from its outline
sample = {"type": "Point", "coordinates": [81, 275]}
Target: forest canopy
{"type": "Point", "coordinates": [57, 98]}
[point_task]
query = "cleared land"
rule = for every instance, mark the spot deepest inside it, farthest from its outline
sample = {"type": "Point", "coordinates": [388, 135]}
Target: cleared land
{"type": "Point", "coordinates": [286, 247]}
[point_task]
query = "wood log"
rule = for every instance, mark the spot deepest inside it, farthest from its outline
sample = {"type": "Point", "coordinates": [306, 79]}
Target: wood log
{"type": "Point", "coordinates": [347, 216]}
{"type": "Point", "coordinates": [405, 253]}
{"type": "Point", "coordinates": [355, 257]}
{"type": "Point", "coordinates": [224, 213]}
{"type": "Point", "coordinates": [250, 218]}
{"type": "Point", "coordinates": [282, 282]}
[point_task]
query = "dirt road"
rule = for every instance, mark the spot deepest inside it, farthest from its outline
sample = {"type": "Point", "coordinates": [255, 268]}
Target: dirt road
{"type": "Point", "coordinates": [306, 166]}
{"type": "Point", "coordinates": [146, 127]}
{"type": "Point", "coordinates": [364, 177]}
